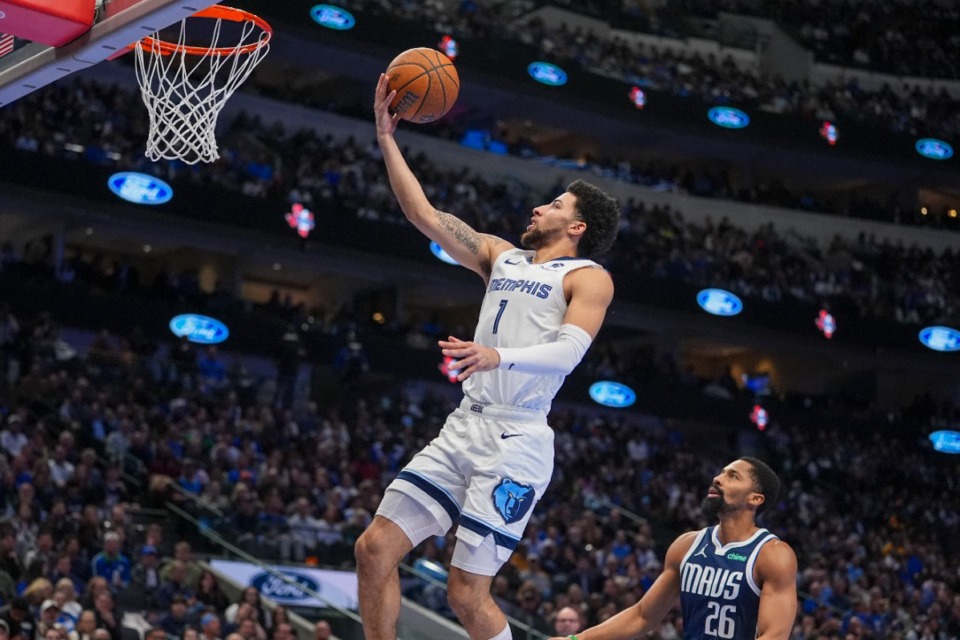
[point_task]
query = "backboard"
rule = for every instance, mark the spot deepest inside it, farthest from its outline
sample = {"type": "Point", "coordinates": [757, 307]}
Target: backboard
{"type": "Point", "coordinates": [119, 23]}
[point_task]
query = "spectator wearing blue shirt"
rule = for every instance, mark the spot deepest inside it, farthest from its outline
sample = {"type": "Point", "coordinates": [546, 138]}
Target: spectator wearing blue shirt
{"type": "Point", "coordinates": [111, 564]}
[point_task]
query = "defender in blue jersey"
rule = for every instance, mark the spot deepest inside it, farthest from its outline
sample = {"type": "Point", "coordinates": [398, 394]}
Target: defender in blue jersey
{"type": "Point", "coordinates": [734, 580]}
{"type": "Point", "coordinates": [492, 460]}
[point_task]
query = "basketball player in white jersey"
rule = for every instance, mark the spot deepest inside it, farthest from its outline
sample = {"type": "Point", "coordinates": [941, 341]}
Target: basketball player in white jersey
{"type": "Point", "coordinates": [493, 458]}
{"type": "Point", "coordinates": [734, 580]}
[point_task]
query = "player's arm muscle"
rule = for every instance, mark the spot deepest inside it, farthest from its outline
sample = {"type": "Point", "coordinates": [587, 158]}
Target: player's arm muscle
{"type": "Point", "coordinates": [777, 569]}
{"type": "Point", "coordinates": [476, 251]}
{"type": "Point", "coordinates": [590, 293]}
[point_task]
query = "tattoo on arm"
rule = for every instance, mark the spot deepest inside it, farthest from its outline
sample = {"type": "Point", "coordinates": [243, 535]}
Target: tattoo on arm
{"type": "Point", "coordinates": [460, 231]}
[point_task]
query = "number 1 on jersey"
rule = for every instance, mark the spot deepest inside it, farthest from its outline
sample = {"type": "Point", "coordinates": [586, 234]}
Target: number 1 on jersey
{"type": "Point", "coordinates": [496, 322]}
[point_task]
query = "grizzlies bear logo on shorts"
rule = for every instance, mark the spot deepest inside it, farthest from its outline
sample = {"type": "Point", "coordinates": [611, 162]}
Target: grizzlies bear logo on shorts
{"type": "Point", "coordinates": [513, 500]}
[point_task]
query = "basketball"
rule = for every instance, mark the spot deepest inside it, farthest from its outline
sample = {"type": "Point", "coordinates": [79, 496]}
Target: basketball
{"type": "Point", "coordinates": [426, 83]}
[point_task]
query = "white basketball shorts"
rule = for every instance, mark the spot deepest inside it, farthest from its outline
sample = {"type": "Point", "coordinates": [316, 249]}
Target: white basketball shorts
{"type": "Point", "coordinates": [487, 467]}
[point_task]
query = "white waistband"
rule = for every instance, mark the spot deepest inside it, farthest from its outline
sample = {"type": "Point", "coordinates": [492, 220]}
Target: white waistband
{"type": "Point", "coordinates": [513, 414]}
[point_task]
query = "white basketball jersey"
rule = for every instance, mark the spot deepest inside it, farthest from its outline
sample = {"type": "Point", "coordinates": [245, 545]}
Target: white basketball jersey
{"type": "Point", "coordinates": [524, 306]}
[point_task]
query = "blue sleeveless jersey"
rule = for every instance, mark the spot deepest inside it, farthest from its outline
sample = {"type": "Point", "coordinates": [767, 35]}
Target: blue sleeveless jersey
{"type": "Point", "coordinates": [718, 595]}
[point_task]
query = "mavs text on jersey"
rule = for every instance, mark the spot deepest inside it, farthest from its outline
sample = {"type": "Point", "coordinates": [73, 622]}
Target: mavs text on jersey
{"type": "Point", "coordinates": [719, 597]}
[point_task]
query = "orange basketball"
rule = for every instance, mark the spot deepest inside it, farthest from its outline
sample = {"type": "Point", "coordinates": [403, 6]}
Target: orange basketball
{"type": "Point", "coordinates": [426, 82]}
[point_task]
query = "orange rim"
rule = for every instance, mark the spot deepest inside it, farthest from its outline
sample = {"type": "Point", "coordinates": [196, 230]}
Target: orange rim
{"type": "Point", "coordinates": [217, 12]}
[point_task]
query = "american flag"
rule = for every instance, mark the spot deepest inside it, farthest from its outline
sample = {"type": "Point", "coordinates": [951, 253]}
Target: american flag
{"type": "Point", "coordinates": [6, 43]}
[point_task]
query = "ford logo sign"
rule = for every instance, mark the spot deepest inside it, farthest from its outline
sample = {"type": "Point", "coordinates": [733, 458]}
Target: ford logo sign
{"type": "Point", "coordinates": [719, 302]}
{"type": "Point", "coordinates": [199, 329]}
{"type": "Point", "coordinates": [612, 394]}
{"type": "Point", "coordinates": [272, 586]}
{"type": "Point", "coordinates": [728, 117]}
{"type": "Point", "coordinates": [548, 74]}
{"type": "Point", "coordinates": [441, 255]}
{"type": "Point", "coordinates": [940, 338]}
{"type": "Point", "coordinates": [331, 17]}
{"type": "Point", "coordinates": [140, 188]}
{"type": "Point", "coordinates": [946, 441]}
{"type": "Point", "coordinates": [934, 149]}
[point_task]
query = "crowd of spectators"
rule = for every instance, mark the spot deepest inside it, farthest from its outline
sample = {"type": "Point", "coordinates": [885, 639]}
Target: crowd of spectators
{"type": "Point", "coordinates": [918, 39]}
{"type": "Point", "coordinates": [904, 38]}
{"type": "Point", "coordinates": [878, 279]}
{"type": "Point", "coordinates": [82, 120]}
{"type": "Point", "coordinates": [905, 109]}
{"type": "Point", "coordinates": [299, 483]}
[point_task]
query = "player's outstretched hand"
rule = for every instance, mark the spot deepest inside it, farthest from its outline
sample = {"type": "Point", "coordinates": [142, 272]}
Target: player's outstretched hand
{"type": "Point", "coordinates": [386, 121]}
{"type": "Point", "coordinates": [471, 357]}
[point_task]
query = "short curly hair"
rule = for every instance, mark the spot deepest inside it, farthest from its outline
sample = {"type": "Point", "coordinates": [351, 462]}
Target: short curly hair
{"type": "Point", "coordinates": [765, 481]}
{"type": "Point", "coordinates": [601, 213]}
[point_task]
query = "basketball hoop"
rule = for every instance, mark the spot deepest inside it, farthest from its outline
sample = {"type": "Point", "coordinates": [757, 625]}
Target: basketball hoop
{"type": "Point", "coordinates": [182, 87]}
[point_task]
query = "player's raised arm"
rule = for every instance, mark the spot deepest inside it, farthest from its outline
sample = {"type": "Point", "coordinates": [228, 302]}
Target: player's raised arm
{"type": "Point", "coordinates": [476, 251]}
{"type": "Point", "coordinates": [777, 568]}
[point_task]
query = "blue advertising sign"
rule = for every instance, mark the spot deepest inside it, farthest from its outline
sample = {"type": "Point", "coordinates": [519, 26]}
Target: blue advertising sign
{"type": "Point", "coordinates": [719, 302]}
{"type": "Point", "coordinates": [331, 17]}
{"type": "Point", "coordinates": [728, 117]}
{"type": "Point", "coordinates": [199, 329]}
{"type": "Point", "coordinates": [271, 586]}
{"type": "Point", "coordinates": [139, 188]}
{"type": "Point", "coordinates": [934, 149]}
{"type": "Point", "coordinates": [612, 394]}
{"type": "Point", "coordinates": [946, 441]}
{"type": "Point", "coordinates": [940, 338]}
{"type": "Point", "coordinates": [546, 73]}
{"type": "Point", "coordinates": [442, 255]}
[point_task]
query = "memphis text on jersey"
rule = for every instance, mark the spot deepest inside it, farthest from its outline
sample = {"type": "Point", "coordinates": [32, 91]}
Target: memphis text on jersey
{"type": "Point", "coordinates": [532, 287]}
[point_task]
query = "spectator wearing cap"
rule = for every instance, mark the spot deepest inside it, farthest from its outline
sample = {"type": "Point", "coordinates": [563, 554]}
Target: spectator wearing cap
{"type": "Point", "coordinates": [111, 564]}
{"type": "Point", "coordinates": [49, 612]}
{"type": "Point", "coordinates": [145, 575]}
{"type": "Point", "coordinates": [210, 627]}
{"type": "Point", "coordinates": [18, 619]}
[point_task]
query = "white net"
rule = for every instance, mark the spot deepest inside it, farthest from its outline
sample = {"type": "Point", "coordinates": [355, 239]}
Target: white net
{"type": "Point", "coordinates": [184, 92]}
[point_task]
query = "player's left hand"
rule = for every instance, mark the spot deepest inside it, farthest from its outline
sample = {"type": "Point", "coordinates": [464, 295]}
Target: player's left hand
{"type": "Point", "coordinates": [471, 357]}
